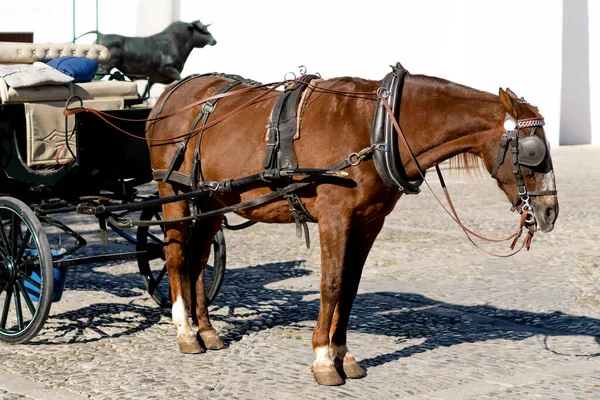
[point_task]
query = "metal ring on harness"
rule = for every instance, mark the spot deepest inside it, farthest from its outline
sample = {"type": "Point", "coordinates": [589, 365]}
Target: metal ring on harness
{"type": "Point", "coordinates": [383, 92]}
{"type": "Point", "coordinates": [356, 158]}
{"type": "Point", "coordinates": [285, 78]}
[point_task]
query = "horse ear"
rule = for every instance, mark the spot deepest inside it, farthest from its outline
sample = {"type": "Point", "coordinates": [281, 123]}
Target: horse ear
{"type": "Point", "coordinates": [507, 101]}
{"type": "Point", "coordinates": [512, 94]}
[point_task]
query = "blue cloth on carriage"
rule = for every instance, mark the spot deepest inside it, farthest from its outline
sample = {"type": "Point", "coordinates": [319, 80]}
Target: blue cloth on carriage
{"type": "Point", "coordinates": [80, 68]}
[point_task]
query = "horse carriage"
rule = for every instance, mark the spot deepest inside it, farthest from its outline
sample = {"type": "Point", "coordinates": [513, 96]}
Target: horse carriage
{"type": "Point", "coordinates": [52, 165]}
{"type": "Point", "coordinates": [340, 152]}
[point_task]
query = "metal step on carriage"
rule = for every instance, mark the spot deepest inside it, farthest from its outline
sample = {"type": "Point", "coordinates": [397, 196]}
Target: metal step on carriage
{"type": "Point", "coordinates": [95, 165]}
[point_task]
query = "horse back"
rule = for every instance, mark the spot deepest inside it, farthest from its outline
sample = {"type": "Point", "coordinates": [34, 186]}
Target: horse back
{"type": "Point", "coordinates": [332, 126]}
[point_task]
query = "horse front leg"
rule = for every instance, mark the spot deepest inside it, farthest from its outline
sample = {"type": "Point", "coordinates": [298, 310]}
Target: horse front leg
{"type": "Point", "coordinates": [200, 248]}
{"type": "Point", "coordinates": [360, 241]}
{"type": "Point", "coordinates": [334, 238]}
{"type": "Point", "coordinates": [178, 275]}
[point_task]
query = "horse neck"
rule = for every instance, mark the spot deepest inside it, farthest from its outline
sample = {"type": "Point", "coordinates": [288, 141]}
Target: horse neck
{"type": "Point", "coordinates": [442, 119]}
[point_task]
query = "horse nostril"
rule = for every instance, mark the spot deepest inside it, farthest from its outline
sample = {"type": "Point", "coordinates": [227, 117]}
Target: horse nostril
{"type": "Point", "coordinates": [550, 215]}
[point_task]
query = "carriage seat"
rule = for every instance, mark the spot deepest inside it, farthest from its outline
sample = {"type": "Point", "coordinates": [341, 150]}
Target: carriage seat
{"type": "Point", "coordinates": [30, 53]}
{"type": "Point", "coordinates": [43, 103]}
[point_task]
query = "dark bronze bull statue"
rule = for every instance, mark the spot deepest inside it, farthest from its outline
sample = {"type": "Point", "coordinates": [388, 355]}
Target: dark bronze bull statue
{"type": "Point", "coordinates": [160, 57]}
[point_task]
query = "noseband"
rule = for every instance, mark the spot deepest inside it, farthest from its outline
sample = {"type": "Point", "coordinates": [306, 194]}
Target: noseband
{"type": "Point", "coordinates": [529, 151]}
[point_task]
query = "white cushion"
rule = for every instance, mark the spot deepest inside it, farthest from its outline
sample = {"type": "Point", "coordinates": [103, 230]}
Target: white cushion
{"type": "Point", "coordinates": [86, 91]}
{"type": "Point", "coordinates": [33, 94]}
{"type": "Point", "coordinates": [36, 74]}
{"type": "Point", "coordinates": [106, 89]}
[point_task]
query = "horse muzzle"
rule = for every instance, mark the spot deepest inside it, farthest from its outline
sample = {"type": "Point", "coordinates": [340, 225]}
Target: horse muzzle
{"type": "Point", "coordinates": [544, 217]}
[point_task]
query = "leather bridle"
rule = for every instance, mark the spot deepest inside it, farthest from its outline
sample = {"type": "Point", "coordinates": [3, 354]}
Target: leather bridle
{"type": "Point", "coordinates": [528, 150]}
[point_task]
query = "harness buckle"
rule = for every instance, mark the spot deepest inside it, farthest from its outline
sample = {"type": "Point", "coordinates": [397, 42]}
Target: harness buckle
{"type": "Point", "coordinates": [208, 108]}
{"type": "Point", "coordinates": [212, 185]}
{"type": "Point", "coordinates": [380, 147]}
{"type": "Point", "coordinates": [523, 194]}
{"type": "Point", "coordinates": [273, 136]}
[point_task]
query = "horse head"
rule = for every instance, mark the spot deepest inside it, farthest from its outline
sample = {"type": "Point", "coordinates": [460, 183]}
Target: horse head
{"type": "Point", "coordinates": [522, 164]}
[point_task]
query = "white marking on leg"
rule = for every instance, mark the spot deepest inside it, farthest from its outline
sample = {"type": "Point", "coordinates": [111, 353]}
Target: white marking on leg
{"type": "Point", "coordinates": [322, 359]}
{"type": "Point", "coordinates": [180, 317]}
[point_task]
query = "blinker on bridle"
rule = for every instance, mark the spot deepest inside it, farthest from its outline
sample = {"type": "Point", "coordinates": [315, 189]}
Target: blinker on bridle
{"type": "Point", "coordinates": [529, 151]}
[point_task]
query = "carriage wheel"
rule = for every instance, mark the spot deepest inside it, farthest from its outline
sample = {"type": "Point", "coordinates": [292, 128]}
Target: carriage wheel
{"type": "Point", "coordinates": [26, 272]}
{"type": "Point", "coordinates": [153, 269]}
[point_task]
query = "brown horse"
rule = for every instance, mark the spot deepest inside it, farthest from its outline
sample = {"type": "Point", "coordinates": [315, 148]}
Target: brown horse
{"type": "Point", "coordinates": [440, 119]}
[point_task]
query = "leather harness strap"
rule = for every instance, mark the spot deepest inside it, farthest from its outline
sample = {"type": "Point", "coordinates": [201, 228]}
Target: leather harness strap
{"type": "Point", "coordinates": [282, 129]}
{"type": "Point", "coordinates": [207, 108]}
{"type": "Point", "coordinates": [387, 159]}
{"type": "Point", "coordinates": [280, 151]}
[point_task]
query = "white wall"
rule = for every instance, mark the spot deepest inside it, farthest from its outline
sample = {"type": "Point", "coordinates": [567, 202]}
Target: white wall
{"type": "Point", "coordinates": [575, 119]}
{"type": "Point", "coordinates": [51, 21]}
{"type": "Point", "coordinates": [483, 44]}
{"type": "Point", "coordinates": [155, 15]}
{"type": "Point", "coordinates": [594, 31]}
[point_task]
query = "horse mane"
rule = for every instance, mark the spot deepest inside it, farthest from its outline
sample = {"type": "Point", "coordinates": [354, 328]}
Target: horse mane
{"type": "Point", "coordinates": [467, 164]}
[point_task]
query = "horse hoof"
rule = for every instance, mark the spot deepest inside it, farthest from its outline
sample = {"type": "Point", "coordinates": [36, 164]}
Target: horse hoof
{"type": "Point", "coordinates": [211, 340]}
{"type": "Point", "coordinates": [352, 370]}
{"type": "Point", "coordinates": [328, 376]}
{"type": "Point", "coordinates": [189, 345]}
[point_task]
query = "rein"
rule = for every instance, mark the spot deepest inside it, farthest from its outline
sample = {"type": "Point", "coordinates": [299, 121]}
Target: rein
{"type": "Point", "coordinates": [453, 214]}
{"type": "Point", "coordinates": [270, 87]}
{"type": "Point", "coordinates": [353, 159]}
{"type": "Point", "coordinates": [105, 116]}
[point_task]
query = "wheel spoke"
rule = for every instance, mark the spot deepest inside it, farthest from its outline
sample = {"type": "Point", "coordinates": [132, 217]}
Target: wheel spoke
{"type": "Point", "coordinates": [24, 244]}
{"type": "Point", "coordinates": [163, 228]}
{"type": "Point", "coordinates": [156, 239]}
{"type": "Point", "coordinates": [3, 240]}
{"type": "Point", "coordinates": [6, 307]}
{"type": "Point", "coordinates": [32, 282]}
{"type": "Point", "coordinates": [18, 309]}
{"type": "Point", "coordinates": [30, 261]}
{"type": "Point", "coordinates": [14, 234]}
{"type": "Point", "coordinates": [26, 297]}
{"type": "Point", "coordinates": [161, 275]}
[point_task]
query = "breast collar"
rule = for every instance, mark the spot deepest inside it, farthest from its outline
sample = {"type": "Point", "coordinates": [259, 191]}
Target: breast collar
{"type": "Point", "coordinates": [383, 135]}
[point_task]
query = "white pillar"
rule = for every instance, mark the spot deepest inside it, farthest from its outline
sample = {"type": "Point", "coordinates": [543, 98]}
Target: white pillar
{"type": "Point", "coordinates": [594, 28]}
{"type": "Point", "coordinates": [575, 116]}
{"type": "Point", "coordinates": [156, 15]}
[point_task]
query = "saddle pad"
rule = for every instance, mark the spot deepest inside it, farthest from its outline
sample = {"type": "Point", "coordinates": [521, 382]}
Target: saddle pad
{"type": "Point", "coordinates": [46, 130]}
{"type": "Point", "coordinates": [301, 106]}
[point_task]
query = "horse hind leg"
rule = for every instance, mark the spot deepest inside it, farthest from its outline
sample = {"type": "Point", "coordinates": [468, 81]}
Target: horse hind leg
{"type": "Point", "coordinates": [201, 246]}
{"type": "Point", "coordinates": [175, 261]}
{"type": "Point", "coordinates": [360, 242]}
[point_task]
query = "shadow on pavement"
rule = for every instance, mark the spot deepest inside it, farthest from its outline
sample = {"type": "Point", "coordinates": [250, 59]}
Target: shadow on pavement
{"type": "Point", "coordinates": [401, 315]}
{"type": "Point", "coordinates": [97, 322]}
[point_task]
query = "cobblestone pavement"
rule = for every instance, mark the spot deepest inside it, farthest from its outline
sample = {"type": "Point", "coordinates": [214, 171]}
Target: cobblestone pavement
{"type": "Point", "coordinates": [434, 317]}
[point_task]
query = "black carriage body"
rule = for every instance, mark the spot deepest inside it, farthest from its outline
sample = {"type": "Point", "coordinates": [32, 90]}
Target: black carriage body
{"type": "Point", "coordinates": [107, 159]}
{"type": "Point", "coordinates": [108, 156]}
